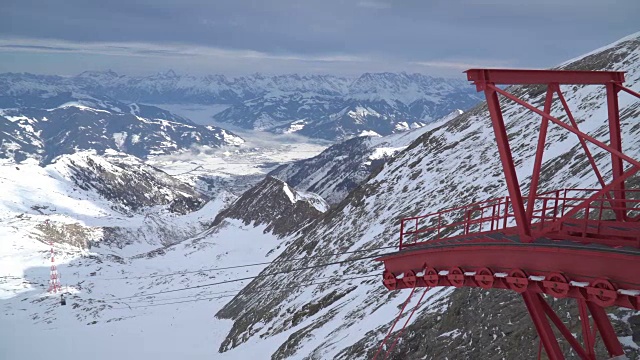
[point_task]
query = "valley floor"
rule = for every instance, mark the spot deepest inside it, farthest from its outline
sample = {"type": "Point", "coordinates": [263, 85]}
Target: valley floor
{"type": "Point", "coordinates": [107, 315]}
{"type": "Point", "coordinates": [99, 323]}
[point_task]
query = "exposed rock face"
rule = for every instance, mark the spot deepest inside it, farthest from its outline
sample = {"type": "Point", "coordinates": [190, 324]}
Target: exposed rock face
{"type": "Point", "coordinates": [72, 234]}
{"type": "Point", "coordinates": [495, 323]}
{"type": "Point", "coordinates": [129, 184]}
{"type": "Point", "coordinates": [332, 174]}
{"type": "Point", "coordinates": [273, 202]}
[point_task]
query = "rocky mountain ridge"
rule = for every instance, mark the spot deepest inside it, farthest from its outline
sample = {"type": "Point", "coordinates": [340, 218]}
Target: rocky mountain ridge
{"type": "Point", "coordinates": [319, 106]}
{"type": "Point", "coordinates": [274, 203]}
{"type": "Point", "coordinates": [72, 123]}
{"type": "Point", "coordinates": [342, 167]}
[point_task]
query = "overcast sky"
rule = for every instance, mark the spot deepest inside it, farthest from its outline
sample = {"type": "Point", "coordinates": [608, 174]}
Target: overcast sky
{"type": "Point", "coordinates": [237, 37]}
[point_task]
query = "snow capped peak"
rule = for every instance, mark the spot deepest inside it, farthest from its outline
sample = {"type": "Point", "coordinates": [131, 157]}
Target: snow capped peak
{"type": "Point", "coordinates": [270, 102]}
{"type": "Point", "coordinates": [99, 75]}
{"type": "Point", "coordinates": [76, 123]}
{"type": "Point", "coordinates": [168, 74]}
{"type": "Point", "coordinates": [369, 133]}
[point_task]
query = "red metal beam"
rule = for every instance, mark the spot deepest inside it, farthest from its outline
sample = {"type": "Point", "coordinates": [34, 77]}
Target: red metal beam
{"type": "Point", "coordinates": [577, 263]}
{"type": "Point", "coordinates": [562, 124]}
{"type": "Point", "coordinates": [587, 339]}
{"type": "Point", "coordinates": [535, 176]}
{"type": "Point", "coordinates": [513, 185]}
{"type": "Point", "coordinates": [566, 333]}
{"type": "Point", "coordinates": [529, 77]}
{"type": "Point", "coordinates": [607, 333]}
{"type": "Point", "coordinates": [548, 338]}
{"type": "Point", "coordinates": [616, 143]}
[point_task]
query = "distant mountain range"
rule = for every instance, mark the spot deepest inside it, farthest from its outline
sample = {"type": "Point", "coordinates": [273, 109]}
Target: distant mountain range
{"type": "Point", "coordinates": [66, 124]}
{"type": "Point", "coordinates": [318, 106]}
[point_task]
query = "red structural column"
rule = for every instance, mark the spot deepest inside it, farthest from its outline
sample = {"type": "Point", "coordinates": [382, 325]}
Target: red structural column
{"type": "Point", "coordinates": [605, 329]}
{"type": "Point", "coordinates": [587, 339]}
{"type": "Point", "coordinates": [616, 143]}
{"type": "Point", "coordinates": [548, 338]}
{"type": "Point", "coordinates": [511, 177]}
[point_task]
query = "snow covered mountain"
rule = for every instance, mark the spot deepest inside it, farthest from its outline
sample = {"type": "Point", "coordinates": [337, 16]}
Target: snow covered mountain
{"type": "Point", "coordinates": [129, 183]}
{"type": "Point", "coordinates": [348, 318]}
{"type": "Point", "coordinates": [274, 203]}
{"type": "Point", "coordinates": [169, 87]}
{"type": "Point", "coordinates": [105, 249]}
{"type": "Point", "coordinates": [341, 168]}
{"type": "Point", "coordinates": [319, 106]}
{"type": "Point", "coordinates": [47, 128]}
{"type": "Point", "coordinates": [383, 104]}
{"type": "Point", "coordinates": [78, 190]}
{"type": "Point", "coordinates": [162, 270]}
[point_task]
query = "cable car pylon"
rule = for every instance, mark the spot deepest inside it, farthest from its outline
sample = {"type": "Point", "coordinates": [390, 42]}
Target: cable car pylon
{"type": "Point", "coordinates": [582, 244]}
{"type": "Point", "coordinates": [54, 276]}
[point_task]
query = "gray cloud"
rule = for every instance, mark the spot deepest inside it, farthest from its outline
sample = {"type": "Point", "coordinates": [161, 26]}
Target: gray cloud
{"type": "Point", "coordinates": [334, 34]}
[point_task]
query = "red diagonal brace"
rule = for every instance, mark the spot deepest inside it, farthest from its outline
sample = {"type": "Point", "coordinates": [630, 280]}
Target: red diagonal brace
{"type": "Point", "coordinates": [537, 166]}
{"type": "Point", "coordinates": [562, 124]}
{"type": "Point", "coordinates": [548, 338]}
{"type": "Point", "coordinates": [627, 90]}
{"type": "Point", "coordinates": [508, 165]}
{"type": "Point", "coordinates": [596, 195]}
{"type": "Point", "coordinates": [563, 330]}
{"type": "Point", "coordinates": [605, 328]}
{"type": "Point", "coordinates": [384, 341]}
{"type": "Point", "coordinates": [583, 143]}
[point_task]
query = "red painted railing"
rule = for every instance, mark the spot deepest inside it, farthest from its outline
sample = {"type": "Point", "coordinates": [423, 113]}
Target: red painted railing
{"type": "Point", "coordinates": [549, 207]}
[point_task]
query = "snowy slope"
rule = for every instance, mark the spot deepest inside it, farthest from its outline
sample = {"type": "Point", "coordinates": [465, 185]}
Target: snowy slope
{"type": "Point", "coordinates": [455, 162]}
{"type": "Point", "coordinates": [116, 200]}
{"type": "Point", "coordinates": [140, 222]}
{"type": "Point", "coordinates": [132, 245]}
{"type": "Point", "coordinates": [97, 325]}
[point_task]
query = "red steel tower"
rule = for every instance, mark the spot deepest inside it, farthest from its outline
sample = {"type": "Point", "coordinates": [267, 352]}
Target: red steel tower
{"type": "Point", "coordinates": [582, 244]}
{"type": "Point", "coordinates": [54, 277]}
